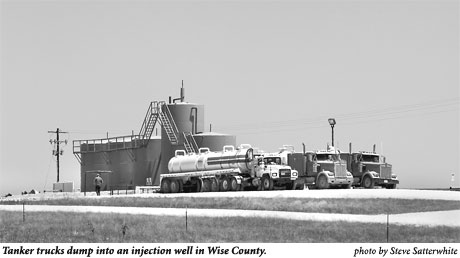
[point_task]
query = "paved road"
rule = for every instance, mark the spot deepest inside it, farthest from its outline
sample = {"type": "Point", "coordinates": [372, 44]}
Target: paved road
{"type": "Point", "coordinates": [437, 218]}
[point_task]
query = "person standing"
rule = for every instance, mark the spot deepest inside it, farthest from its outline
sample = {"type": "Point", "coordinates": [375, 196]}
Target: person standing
{"type": "Point", "coordinates": [98, 183]}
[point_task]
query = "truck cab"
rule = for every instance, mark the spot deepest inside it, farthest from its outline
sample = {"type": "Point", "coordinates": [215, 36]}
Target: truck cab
{"type": "Point", "coordinates": [331, 170]}
{"type": "Point", "coordinates": [370, 169]}
{"type": "Point", "coordinates": [323, 169]}
{"type": "Point", "coordinates": [273, 173]}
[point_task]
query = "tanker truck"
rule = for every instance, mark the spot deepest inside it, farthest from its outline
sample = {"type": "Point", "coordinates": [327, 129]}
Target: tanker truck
{"type": "Point", "coordinates": [320, 169]}
{"type": "Point", "coordinates": [227, 170]}
{"type": "Point", "coordinates": [370, 169]}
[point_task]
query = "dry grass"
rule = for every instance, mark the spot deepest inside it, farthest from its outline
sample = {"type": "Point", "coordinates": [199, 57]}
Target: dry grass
{"type": "Point", "coordinates": [344, 206]}
{"type": "Point", "coordinates": [85, 228]}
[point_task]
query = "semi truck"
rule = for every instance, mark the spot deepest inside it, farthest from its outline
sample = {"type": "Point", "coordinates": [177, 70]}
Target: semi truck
{"type": "Point", "coordinates": [370, 169]}
{"type": "Point", "coordinates": [227, 170]}
{"type": "Point", "coordinates": [320, 169]}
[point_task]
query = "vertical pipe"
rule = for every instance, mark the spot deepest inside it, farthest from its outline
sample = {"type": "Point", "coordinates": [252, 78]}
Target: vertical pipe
{"type": "Point", "coordinates": [195, 120]}
{"type": "Point", "coordinates": [182, 93]}
{"type": "Point", "coordinates": [303, 146]}
{"type": "Point", "coordinates": [349, 147]}
{"type": "Point", "coordinates": [210, 127]}
{"type": "Point", "coordinates": [374, 148]}
{"type": "Point", "coordinates": [332, 126]}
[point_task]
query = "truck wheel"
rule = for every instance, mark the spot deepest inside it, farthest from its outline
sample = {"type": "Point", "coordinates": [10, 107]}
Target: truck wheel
{"type": "Point", "coordinates": [206, 185]}
{"type": "Point", "coordinates": [368, 182]}
{"type": "Point", "coordinates": [198, 186]}
{"type": "Point", "coordinates": [214, 185]}
{"type": "Point", "coordinates": [224, 185]}
{"type": "Point", "coordinates": [165, 186]}
{"type": "Point", "coordinates": [301, 186]}
{"type": "Point", "coordinates": [322, 182]}
{"type": "Point", "coordinates": [265, 183]}
{"type": "Point", "coordinates": [233, 184]}
{"type": "Point", "coordinates": [174, 186]}
{"type": "Point", "coordinates": [272, 186]}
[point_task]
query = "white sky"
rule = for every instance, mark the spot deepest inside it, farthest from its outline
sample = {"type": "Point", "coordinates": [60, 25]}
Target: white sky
{"type": "Point", "coordinates": [270, 73]}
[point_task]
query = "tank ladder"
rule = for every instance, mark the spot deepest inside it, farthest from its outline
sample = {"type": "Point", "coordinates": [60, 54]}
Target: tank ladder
{"type": "Point", "coordinates": [168, 123]}
{"type": "Point", "coordinates": [156, 113]}
{"type": "Point", "coordinates": [190, 143]}
{"type": "Point", "coordinates": [150, 120]}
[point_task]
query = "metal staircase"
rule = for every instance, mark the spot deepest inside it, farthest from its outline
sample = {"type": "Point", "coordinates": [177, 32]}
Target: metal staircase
{"type": "Point", "coordinates": [190, 143]}
{"type": "Point", "coordinates": [168, 124]}
{"type": "Point", "coordinates": [155, 114]}
{"type": "Point", "coordinates": [149, 122]}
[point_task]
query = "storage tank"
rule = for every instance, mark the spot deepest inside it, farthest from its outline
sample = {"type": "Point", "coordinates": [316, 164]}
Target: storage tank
{"type": "Point", "coordinates": [188, 117]}
{"type": "Point", "coordinates": [214, 141]}
{"type": "Point", "coordinates": [91, 161]}
{"type": "Point", "coordinates": [147, 162]}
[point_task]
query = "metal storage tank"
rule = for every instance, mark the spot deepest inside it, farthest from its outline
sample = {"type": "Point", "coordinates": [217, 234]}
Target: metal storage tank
{"type": "Point", "coordinates": [147, 163]}
{"type": "Point", "coordinates": [122, 163]}
{"type": "Point", "coordinates": [214, 141]}
{"type": "Point", "coordinates": [188, 117]}
{"type": "Point", "coordinates": [91, 161]}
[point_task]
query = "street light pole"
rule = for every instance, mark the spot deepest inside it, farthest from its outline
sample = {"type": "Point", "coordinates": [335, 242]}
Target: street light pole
{"type": "Point", "coordinates": [332, 123]}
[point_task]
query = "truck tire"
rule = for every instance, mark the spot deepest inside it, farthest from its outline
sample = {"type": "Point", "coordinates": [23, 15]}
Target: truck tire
{"type": "Point", "coordinates": [301, 186]}
{"type": "Point", "coordinates": [174, 186]}
{"type": "Point", "coordinates": [214, 185]}
{"type": "Point", "coordinates": [265, 183]}
{"type": "Point", "coordinates": [165, 186]}
{"type": "Point", "coordinates": [233, 184]}
{"type": "Point", "coordinates": [198, 186]}
{"type": "Point", "coordinates": [368, 182]}
{"type": "Point", "coordinates": [206, 185]}
{"type": "Point", "coordinates": [322, 183]}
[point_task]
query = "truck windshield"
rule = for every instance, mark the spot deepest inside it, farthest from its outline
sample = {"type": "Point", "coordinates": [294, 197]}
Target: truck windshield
{"type": "Point", "coordinates": [326, 156]}
{"type": "Point", "coordinates": [370, 158]}
{"type": "Point", "coordinates": [272, 160]}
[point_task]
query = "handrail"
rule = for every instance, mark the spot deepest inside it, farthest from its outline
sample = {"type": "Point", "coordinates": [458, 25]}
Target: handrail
{"type": "Point", "coordinates": [107, 144]}
{"type": "Point", "coordinates": [147, 118]}
{"type": "Point", "coordinates": [170, 118]}
{"type": "Point", "coordinates": [192, 143]}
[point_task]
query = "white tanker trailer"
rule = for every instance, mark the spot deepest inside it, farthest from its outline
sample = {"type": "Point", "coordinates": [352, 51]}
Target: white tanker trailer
{"type": "Point", "coordinates": [227, 170]}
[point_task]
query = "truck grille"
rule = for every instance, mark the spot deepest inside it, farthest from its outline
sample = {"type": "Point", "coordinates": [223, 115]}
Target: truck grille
{"type": "Point", "coordinates": [285, 173]}
{"type": "Point", "coordinates": [340, 170]}
{"type": "Point", "coordinates": [385, 172]}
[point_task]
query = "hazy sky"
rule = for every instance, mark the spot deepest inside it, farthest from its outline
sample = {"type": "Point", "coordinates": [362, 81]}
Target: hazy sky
{"type": "Point", "coordinates": [270, 73]}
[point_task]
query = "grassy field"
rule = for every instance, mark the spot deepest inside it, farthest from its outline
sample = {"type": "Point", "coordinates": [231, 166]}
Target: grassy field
{"type": "Point", "coordinates": [87, 228]}
{"type": "Point", "coordinates": [344, 206]}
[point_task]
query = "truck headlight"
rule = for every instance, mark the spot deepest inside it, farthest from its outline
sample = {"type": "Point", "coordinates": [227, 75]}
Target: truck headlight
{"type": "Point", "coordinates": [274, 175]}
{"type": "Point", "coordinates": [330, 174]}
{"type": "Point", "coordinates": [294, 173]}
{"type": "Point", "coordinates": [375, 174]}
{"type": "Point", "coordinates": [349, 174]}
{"type": "Point", "coordinates": [394, 176]}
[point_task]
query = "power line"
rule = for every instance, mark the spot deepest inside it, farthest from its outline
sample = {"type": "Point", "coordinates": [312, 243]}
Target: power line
{"type": "Point", "coordinates": [369, 115]}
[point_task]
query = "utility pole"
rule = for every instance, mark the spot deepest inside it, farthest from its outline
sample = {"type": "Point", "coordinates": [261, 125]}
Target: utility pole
{"type": "Point", "coordinates": [57, 152]}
